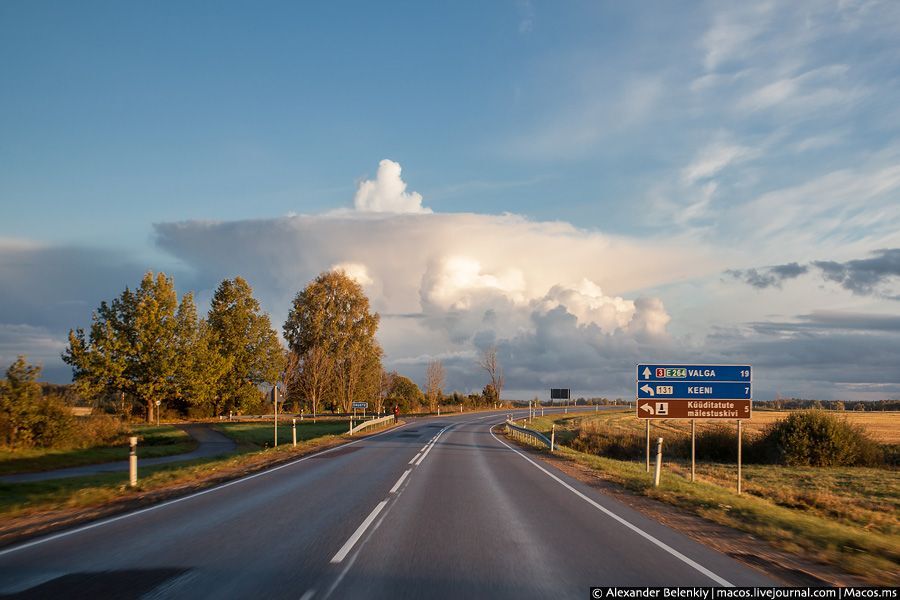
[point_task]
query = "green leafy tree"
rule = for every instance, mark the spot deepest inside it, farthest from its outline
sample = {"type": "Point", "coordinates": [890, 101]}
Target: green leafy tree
{"type": "Point", "coordinates": [243, 336]}
{"type": "Point", "coordinates": [405, 393]}
{"type": "Point", "coordinates": [131, 348]}
{"type": "Point", "coordinates": [200, 366]}
{"type": "Point", "coordinates": [20, 394]}
{"type": "Point", "coordinates": [332, 314]}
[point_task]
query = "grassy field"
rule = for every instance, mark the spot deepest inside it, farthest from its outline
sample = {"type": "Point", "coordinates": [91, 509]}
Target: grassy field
{"type": "Point", "coordinates": [848, 517]}
{"type": "Point", "coordinates": [262, 435]}
{"type": "Point", "coordinates": [153, 442]}
{"type": "Point", "coordinates": [883, 427]}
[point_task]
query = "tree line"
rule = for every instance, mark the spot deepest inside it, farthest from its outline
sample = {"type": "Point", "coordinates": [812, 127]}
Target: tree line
{"type": "Point", "coordinates": [148, 349]}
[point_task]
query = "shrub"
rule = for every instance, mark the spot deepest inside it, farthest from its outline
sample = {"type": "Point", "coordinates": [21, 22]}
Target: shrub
{"type": "Point", "coordinates": [51, 423]}
{"type": "Point", "coordinates": [101, 430]}
{"type": "Point", "coordinates": [718, 443]}
{"type": "Point", "coordinates": [816, 438]}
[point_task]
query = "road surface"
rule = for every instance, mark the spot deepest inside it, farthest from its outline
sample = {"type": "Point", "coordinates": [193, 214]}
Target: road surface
{"type": "Point", "coordinates": [440, 508]}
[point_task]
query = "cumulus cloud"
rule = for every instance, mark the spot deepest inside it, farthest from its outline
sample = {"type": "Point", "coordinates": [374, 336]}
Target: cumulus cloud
{"type": "Point", "coordinates": [387, 193]}
{"type": "Point", "coordinates": [450, 284]}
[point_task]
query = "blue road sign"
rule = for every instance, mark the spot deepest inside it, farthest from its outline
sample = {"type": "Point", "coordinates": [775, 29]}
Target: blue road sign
{"type": "Point", "coordinates": [360, 405]}
{"type": "Point", "coordinates": [703, 373]}
{"type": "Point", "coordinates": [694, 390]}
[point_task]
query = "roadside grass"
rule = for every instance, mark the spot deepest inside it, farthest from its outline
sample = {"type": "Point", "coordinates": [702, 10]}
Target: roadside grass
{"type": "Point", "coordinates": [24, 499]}
{"type": "Point", "coordinates": [848, 517]}
{"type": "Point", "coordinates": [261, 434]}
{"type": "Point", "coordinates": [153, 442]}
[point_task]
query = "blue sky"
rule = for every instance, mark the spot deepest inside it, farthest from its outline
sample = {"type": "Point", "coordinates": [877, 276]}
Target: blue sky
{"type": "Point", "coordinates": [642, 153]}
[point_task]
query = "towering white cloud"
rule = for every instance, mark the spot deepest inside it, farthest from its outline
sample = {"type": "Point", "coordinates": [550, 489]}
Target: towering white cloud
{"type": "Point", "coordinates": [387, 192]}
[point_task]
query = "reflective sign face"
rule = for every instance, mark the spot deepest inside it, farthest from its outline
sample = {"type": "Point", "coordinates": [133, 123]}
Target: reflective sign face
{"type": "Point", "coordinates": [694, 391]}
{"type": "Point", "coordinates": [694, 409]}
{"type": "Point", "coordinates": [650, 372]}
{"type": "Point", "coordinates": [689, 390]}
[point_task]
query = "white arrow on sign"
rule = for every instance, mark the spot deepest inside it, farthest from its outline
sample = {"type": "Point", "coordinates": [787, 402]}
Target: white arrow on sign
{"type": "Point", "coordinates": [646, 372]}
{"type": "Point", "coordinates": [647, 407]}
{"type": "Point", "coordinates": [647, 389]}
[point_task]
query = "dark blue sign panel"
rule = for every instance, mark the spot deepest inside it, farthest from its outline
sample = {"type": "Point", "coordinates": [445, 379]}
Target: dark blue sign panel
{"type": "Point", "coordinates": [693, 390]}
{"type": "Point", "coordinates": [706, 373]}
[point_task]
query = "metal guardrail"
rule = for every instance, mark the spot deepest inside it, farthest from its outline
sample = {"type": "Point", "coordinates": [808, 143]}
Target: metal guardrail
{"type": "Point", "coordinates": [371, 422]}
{"type": "Point", "coordinates": [523, 433]}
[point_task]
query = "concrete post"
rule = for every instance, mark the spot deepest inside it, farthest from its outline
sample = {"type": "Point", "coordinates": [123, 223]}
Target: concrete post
{"type": "Point", "coordinates": [658, 462]}
{"type": "Point", "coordinates": [132, 462]}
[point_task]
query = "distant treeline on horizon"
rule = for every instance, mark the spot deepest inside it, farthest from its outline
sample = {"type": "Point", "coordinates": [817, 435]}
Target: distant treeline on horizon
{"type": "Point", "coordinates": [70, 396]}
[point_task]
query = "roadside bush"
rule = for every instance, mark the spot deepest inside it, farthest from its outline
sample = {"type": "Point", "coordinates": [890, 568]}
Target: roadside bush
{"type": "Point", "coordinates": [717, 443]}
{"type": "Point", "coordinates": [818, 439]}
{"type": "Point", "coordinates": [100, 430]}
{"type": "Point", "coordinates": [51, 423]}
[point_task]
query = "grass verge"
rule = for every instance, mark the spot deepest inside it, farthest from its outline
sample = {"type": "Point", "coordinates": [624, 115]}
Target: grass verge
{"type": "Point", "coordinates": [28, 509]}
{"type": "Point", "coordinates": [261, 434]}
{"type": "Point", "coordinates": [843, 517]}
{"type": "Point", "coordinates": [153, 442]}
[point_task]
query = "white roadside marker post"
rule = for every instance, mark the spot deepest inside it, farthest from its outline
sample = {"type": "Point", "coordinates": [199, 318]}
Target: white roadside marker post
{"type": "Point", "coordinates": [552, 438]}
{"type": "Point", "coordinates": [658, 462]}
{"type": "Point", "coordinates": [294, 431]}
{"type": "Point", "coordinates": [132, 462]}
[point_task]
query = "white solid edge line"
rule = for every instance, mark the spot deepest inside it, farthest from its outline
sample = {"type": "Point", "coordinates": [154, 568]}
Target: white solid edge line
{"type": "Point", "coordinates": [69, 532]}
{"type": "Point", "coordinates": [634, 528]}
{"type": "Point", "coordinates": [308, 595]}
{"type": "Point", "coordinates": [400, 481]}
{"type": "Point", "coordinates": [348, 545]}
{"type": "Point", "coordinates": [414, 459]}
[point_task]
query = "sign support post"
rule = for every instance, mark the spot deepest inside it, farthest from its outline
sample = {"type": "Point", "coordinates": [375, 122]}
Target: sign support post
{"type": "Point", "coordinates": [648, 445]}
{"type": "Point", "coordinates": [693, 447]}
{"type": "Point", "coordinates": [739, 458]}
{"type": "Point", "coordinates": [275, 398]}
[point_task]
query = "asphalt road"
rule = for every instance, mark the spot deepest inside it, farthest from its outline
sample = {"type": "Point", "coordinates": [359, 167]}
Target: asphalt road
{"type": "Point", "coordinates": [440, 508]}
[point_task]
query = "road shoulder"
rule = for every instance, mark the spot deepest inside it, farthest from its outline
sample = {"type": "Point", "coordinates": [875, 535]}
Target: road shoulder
{"type": "Point", "coordinates": [756, 553]}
